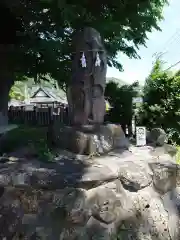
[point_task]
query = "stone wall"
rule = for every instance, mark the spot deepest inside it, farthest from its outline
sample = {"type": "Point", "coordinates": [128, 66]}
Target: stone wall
{"type": "Point", "coordinates": [133, 193]}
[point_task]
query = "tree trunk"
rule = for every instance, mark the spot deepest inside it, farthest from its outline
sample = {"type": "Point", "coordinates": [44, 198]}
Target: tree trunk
{"type": "Point", "coordinates": [6, 80]}
{"type": "Point", "coordinates": [5, 87]}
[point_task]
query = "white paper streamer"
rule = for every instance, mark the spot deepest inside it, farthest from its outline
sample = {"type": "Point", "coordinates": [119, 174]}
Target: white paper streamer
{"type": "Point", "coordinates": [98, 60]}
{"type": "Point", "coordinates": [83, 61]}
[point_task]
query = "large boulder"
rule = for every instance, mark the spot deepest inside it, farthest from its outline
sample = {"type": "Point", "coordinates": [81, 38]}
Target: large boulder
{"type": "Point", "coordinates": [165, 149]}
{"type": "Point", "coordinates": [157, 137]}
{"type": "Point", "coordinates": [88, 139]}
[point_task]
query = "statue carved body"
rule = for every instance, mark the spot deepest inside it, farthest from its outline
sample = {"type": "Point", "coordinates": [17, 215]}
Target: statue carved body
{"type": "Point", "coordinates": [86, 90]}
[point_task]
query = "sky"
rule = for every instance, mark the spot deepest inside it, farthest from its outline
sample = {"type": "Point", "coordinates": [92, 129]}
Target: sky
{"type": "Point", "coordinates": [167, 40]}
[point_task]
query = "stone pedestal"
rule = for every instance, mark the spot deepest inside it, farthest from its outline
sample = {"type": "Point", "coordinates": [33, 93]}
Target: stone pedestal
{"type": "Point", "coordinates": [127, 196]}
{"type": "Point", "coordinates": [88, 139]}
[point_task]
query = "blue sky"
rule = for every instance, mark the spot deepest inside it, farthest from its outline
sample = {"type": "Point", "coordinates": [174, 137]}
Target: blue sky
{"type": "Point", "coordinates": [168, 40]}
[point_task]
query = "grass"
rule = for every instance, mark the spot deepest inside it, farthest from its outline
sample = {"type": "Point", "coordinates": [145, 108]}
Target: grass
{"type": "Point", "coordinates": [33, 137]}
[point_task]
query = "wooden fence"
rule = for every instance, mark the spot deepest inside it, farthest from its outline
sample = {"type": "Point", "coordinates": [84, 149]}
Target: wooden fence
{"type": "Point", "coordinates": [45, 116]}
{"type": "Point", "coordinates": [37, 116]}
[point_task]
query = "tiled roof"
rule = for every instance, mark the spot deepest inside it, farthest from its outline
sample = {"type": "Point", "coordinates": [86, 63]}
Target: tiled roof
{"type": "Point", "coordinates": [53, 95]}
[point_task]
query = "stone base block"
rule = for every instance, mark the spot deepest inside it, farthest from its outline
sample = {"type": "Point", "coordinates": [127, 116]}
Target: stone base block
{"type": "Point", "coordinates": [89, 139]}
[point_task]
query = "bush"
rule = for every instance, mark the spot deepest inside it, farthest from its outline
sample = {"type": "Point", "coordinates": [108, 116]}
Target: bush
{"type": "Point", "coordinates": [120, 98]}
{"type": "Point", "coordinates": [161, 103]}
{"type": "Point", "coordinates": [23, 136]}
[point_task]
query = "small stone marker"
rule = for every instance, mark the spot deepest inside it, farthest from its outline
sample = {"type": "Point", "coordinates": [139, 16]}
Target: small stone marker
{"type": "Point", "coordinates": [140, 136]}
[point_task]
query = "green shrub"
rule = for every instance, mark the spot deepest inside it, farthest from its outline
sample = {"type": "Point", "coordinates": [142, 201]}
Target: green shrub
{"type": "Point", "coordinates": [23, 136]}
{"type": "Point", "coordinates": [43, 151]}
{"type": "Point", "coordinates": [160, 108]}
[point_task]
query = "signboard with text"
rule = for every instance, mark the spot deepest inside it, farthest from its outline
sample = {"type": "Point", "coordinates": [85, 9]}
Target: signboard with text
{"type": "Point", "coordinates": [137, 100]}
{"type": "Point", "coordinates": [140, 136]}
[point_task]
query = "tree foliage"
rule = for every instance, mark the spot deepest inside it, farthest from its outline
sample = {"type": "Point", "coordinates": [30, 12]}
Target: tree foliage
{"type": "Point", "coordinates": [162, 101]}
{"type": "Point", "coordinates": [21, 90]}
{"type": "Point", "coordinates": [120, 98]}
{"type": "Point", "coordinates": [41, 31]}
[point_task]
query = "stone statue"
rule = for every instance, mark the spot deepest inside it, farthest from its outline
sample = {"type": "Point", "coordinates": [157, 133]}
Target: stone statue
{"type": "Point", "coordinates": [86, 89]}
{"type": "Point", "coordinates": [87, 134]}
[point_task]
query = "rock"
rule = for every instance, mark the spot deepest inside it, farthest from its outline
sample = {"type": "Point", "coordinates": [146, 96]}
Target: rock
{"type": "Point", "coordinates": [134, 176]}
{"type": "Point", "coordinates": [90, 139]}
{"type": "Point", "coordinates": [173, 215]}
{"type": "Point", "coordinates": [175, 195]}
{"type": "Point", "coordinates": [132, 194]}
{"type": "Point", "coordinates": [11, 213]}
{"type": "Point", "coordinates": [164, 176]}
{"type": "Point", "coordinates": [98, 230]}
{"type": "Point", "coordinates": [150, 222]}
{"type": "Point", "coordinates": [119, 138]}
{"type": "Point", "coordinates": [165, 149]}
{"type": "Point", "coordinates": [157, 137]}
{"type": "Point", "coordinates": [170, 149]}
{"type": "Point", "coordinates": [69, 138]}
{"type": "Point", "coordinates": [104, 205]}
{"type": "Point", "coordinates": [97, 174]}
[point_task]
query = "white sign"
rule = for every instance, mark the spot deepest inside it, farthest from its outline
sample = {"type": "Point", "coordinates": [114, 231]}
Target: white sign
{"type": "Point", "coordinates": [137, 100]}
{"type": "Point", "coordinates": [140, 136]}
